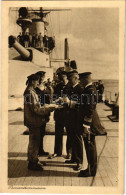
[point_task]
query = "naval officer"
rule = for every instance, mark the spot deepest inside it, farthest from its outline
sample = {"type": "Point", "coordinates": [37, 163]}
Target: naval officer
{"type": "Point", "coordinates": [60, 118]}
{"type": "Point", "coordinates": [88, 114]}
{"type": "Point", "coordinates": [73, 91]}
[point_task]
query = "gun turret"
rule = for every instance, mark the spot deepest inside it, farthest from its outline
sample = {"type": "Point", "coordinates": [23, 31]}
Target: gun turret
{"type": "Point", "coordinates": [26, 54]}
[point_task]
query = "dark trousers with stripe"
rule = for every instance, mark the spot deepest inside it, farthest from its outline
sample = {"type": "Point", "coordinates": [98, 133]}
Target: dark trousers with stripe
{"type": "Point", "coordinates": [77, 145]}
{"type": "Point", "coordinates": [91, 153]}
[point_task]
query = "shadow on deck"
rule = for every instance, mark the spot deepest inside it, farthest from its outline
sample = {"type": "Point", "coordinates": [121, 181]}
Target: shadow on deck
{"type": "Point", "coordinates": [56, 172]}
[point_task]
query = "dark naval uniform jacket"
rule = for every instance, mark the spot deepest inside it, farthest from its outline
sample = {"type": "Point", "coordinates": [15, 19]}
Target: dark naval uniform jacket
{"type": "Point", "coordinates": [59, 114]}
{"type": "Point", "coordinates": [74, 94]}
{"type": "Point", "coordinates": [89, 115]}
{"type": "Point", "coordinates": [88, 110]}
{"type": "Point", "coordinates": [74, 125]}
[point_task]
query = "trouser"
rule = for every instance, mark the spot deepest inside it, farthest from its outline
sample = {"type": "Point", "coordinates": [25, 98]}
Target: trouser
{"type": "Point", "coordinates": [42, 134]}
{"type": "Point", "coordinates": [30, 43]}
{"type": "Point", "coordinates": [34, 142]}
{"type": "Point", "coordinates": [40, 44]}
{"type": "Point", "coordinates": [26, 44]}
{"type": "Point", "coordinates": [91, 153]}
{"type": "Point", "coordinates": [34, 43]}
{"type": "Point", "coordinates": [77, 146]}
{"type": "Point", "coordinates": [59, 130]}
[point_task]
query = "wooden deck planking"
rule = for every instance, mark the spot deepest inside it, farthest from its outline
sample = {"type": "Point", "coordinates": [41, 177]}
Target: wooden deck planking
{"type": "Point", "coordinates": [17, 153]}
{"type": "Point", "coordinates": [14, 156]}
{"type": "Point", "coordinates": [36, 178]}
{"type": "Point", "coordinates": [57, 172]}
{"type": "Point", "coordinates": [89, 181]}
{"type": "Point", "coordinates": [45, 174]}
{"type": "Point", "coordinates": [103, 173]}
{"type": "Point", "coordinates": [83, 181]}
{"type": "Point", "coordinates": [98, 179]}
{"type": "Point", "coordinates": [75, 179]}
{"type": "Point", "coordinates": [22, 173]}
{"type": "Point", "coordinates": [113, 146]}
{"type": "Point", "coordinates": [52, 174]}
{"type": "Point", "coordinates": [67, 181]}
{"type": "Point", "coordinates": [109, 171]}
{"type": "Point", "coordinates": [108, 124]}
{"type": "Point", "coordinates": [18, 165]}
{"type": "Point", "coordinates": [113, 165]}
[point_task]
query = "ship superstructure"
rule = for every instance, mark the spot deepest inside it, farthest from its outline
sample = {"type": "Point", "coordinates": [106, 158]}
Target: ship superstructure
{"type": "Point", "coordinates": [23, 60]}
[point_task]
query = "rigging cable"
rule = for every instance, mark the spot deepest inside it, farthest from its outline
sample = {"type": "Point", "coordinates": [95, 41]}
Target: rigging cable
{"type": "Point", "coordinates": [52, 32]}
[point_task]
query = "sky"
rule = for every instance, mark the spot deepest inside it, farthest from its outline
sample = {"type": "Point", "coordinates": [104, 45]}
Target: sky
{"type": "Point", "coordinates": [93, 37]}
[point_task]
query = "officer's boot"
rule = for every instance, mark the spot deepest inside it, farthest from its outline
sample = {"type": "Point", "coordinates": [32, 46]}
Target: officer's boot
{"type": "Point", "coordinates": [35, 166]}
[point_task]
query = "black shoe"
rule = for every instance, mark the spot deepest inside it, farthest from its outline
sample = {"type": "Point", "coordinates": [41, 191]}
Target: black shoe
{"type": "Point", "coordinates": [70, 161]}
{"type": "Point", "coordinates": [78, 167]}
{"type": "Point", "coordinates": [54, 156]}
{"type": "Point", "coordinates": [68, 156]}
{"type": "Point", "coordinates": [43, 163]}
{"type": "Point", "coordinates": [43, 153]}
{"type": "Point", "coordinates": [35, 166]}
{"type": "Point", "coordinates": [26, 132]}
{"type": "Point", "coordinates": [85, 173]}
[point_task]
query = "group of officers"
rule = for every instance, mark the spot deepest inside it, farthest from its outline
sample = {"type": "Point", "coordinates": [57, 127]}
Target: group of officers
{"type": "Point", "coordinates": [73, 101]}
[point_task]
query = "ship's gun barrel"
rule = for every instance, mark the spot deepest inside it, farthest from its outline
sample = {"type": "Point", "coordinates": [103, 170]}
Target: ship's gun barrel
{"type": "Point", "coordinates": [26, 54]}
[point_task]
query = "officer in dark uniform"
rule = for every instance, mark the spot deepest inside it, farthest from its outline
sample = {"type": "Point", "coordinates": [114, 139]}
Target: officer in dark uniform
{"type": "Point", "coordinates": [44, 94]}
{"type": "Point", "coordinates": [60, 118]}
{"type": "Point", "coordinates": [74, 93]}
{"type": "Point", "coordinates": [89, 122]}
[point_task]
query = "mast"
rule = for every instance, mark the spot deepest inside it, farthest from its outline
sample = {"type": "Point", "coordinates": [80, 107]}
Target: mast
{"type": "Point", "coordinates": [66, 53]}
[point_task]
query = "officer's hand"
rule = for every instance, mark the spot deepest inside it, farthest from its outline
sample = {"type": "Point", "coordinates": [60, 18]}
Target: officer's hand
{"type": "Point", "coordinates": [58, 101]}
{"type": "Point", "coordinates": [66, 100]}
{"type": "Point", "coordinates": [50, 107]}
{"type": "Point", "coordinates": [58, 106]}
{"type": "Point", "coordinates": [86, 130]}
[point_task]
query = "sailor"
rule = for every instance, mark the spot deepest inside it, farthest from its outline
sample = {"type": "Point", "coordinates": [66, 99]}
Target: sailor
{"type": "Point", "coordinates": [60, 118]}
{"type": "Point", "coordinates": [40, 40]}
{"type": "Point", "coordinates": [30, 40]}
{"type": "Point", "coordinates": [74, 93]}
{"type": "Point", "coordinates": [34, 40]}
{"type": "Point", "coordinates": [19, 38]}
{"type": "Point", "coordinates": [100, 90]}
{"type": "Point", "coordinates": [87, 120]}
{"type": "Point", "coordinates": [34, 118]}
{"type": "Point", "coordinates": [44, 93]}
{"type": "Point", "coordinates": [26, 40]}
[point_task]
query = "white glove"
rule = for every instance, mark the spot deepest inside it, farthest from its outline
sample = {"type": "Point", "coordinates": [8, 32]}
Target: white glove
{"type": "Point", "coordinates": [86, 129]}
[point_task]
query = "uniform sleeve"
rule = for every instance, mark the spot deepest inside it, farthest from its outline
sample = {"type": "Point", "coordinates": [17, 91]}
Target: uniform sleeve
{"type": "Point", "coordinates": [90, 107]}
{"type": "Point", "coordinates": [35, 105]}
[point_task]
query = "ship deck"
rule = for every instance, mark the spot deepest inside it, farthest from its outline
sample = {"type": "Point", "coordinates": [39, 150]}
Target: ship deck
{"type": "Point", "coordinates": [56, 172]}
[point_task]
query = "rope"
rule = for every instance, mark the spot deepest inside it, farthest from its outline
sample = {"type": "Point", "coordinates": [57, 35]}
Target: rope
{"type": "Point", "coordinates": [99, 158]}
